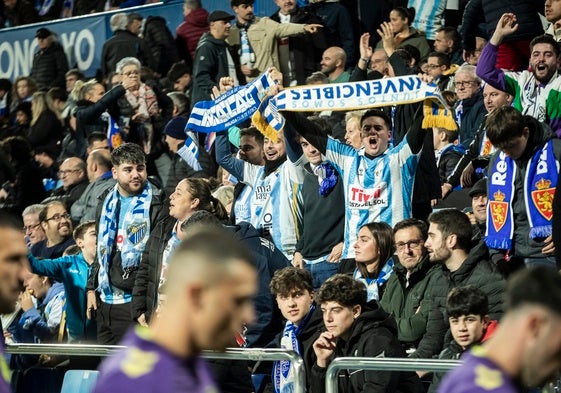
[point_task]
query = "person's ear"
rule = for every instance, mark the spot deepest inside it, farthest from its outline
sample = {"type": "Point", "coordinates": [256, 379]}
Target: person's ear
{"type": "Point", "coordinates": [452, 240]}
{"type": "Point", "coordinates": [356, 311]}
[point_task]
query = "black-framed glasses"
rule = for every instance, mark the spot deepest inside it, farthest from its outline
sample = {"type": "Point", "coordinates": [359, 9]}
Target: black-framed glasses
{"type": "Point", "coordinates": [67, 172]}
{"type": "Point", "coordinates": [411, 244]}
{"type": "Point", "coordinates": [431, 66]}
{"type": "Point", "coordinates": [58, 217]}
{"type": "Point", "coordinates": [30, 228]}
{"type": "Point", "coordinates": [131, 73]}
{"type": "Point", "coordinates": [464, 83]}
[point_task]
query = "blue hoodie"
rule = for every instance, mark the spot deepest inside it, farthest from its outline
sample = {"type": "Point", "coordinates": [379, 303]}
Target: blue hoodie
{"type": "Point", "coordinates": [36, 319]}
{"type": "Point", "coordinates": [72, 271]}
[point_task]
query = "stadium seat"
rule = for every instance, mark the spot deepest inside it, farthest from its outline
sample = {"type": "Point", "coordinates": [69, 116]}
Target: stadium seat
{"type": "Point", "coordinates": [79, 381]}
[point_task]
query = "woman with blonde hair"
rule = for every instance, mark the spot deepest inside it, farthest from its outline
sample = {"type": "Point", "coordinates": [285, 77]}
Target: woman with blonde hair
{"type": "Point", "coordinates": [46, 128]}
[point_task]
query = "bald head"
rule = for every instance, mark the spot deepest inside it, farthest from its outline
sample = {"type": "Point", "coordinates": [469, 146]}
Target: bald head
{"type": "Point", "coordinates": [72, 171]}
{"type": "Point", "coordinates": [333, 62]}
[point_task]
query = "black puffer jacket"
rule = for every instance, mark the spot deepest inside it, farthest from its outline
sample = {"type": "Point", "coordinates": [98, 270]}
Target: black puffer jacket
{"type": "Point", "coordinates": [526, 11]}
{"type": "Point", "coordinates": [124, 44]}
{"type": "Point", "coordinates": [160, 43]}
{"type": "Point", "coordinates": [476, 270]}
{"type": "Point", "coordinates": [49, 67]}
{"type": "Point", "coordinates": [373, 334]}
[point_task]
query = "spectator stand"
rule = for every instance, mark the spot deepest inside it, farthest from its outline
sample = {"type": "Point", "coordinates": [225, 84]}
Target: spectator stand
{"type": "Point", "coordinates": [82, 37]}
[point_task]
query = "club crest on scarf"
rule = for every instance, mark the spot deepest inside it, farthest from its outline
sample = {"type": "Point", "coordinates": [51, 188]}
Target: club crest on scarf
{"type": "Point", "coordinates": [498, 210]}
{"type": "Point", "coordinates": [136, 232]}
{"type": "Point", "coordinates": [542, 198]}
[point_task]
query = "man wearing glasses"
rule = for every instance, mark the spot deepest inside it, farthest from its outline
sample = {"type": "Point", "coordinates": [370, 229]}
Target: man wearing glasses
{"type": "Point", "coordinates": [57, 225]}
{"type": "Point", "coordinates": [73, 175]}
{"type": "Point", "coordinates": [470, 108]}
{"type": "Point", "coordinates": [32, 229]}
{"type": "Point", "coordinates": [406, 294]}
{"type": "Point", "coordinates": [377, 179]}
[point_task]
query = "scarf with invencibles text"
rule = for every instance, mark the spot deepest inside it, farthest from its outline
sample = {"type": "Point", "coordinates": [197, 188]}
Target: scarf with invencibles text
{"type": "Point", "coordinates": [283, 374]}
{"type": "Point", "coordinates": [136, 230]}
{"type": "Point", "coordinates": [373, 284]}
{"type": "Point", "coordinates": [539, 190]}
{"type": "Point", "coordinates": [242, 102]}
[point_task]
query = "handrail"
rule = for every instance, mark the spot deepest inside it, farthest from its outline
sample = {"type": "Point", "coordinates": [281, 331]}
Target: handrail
{"type": "Point", "coordinates": [254, 354]}
{"type": "Point", "coordinates": [386, 364]}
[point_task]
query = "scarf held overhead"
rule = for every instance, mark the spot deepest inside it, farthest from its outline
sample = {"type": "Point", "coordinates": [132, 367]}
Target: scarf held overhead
{"type": "Point", "coordinates": [240, 103]}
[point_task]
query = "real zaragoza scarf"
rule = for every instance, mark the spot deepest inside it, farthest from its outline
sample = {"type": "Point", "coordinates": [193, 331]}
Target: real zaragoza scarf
{"type": "Point", "coordinates": [373, 284]}
{"type": "Point", "coordinates": [240, 103]}
{"type": "Point", "coordinates": [539, 189]}
{"type": "Point", "coordinates": [136, 229]}
{"type": "Point", "coordinates": [283, 375]}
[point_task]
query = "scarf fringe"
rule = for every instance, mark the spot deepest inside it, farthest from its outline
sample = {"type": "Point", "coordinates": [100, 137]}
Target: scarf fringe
{"type": "Point", "coordinates": [498, 243]}
{"type": "Point", "coordinates": [541, 231]}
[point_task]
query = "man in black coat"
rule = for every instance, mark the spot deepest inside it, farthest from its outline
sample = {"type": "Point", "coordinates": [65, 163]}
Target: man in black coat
{"type": "Point", "coordinates": [49, 63]}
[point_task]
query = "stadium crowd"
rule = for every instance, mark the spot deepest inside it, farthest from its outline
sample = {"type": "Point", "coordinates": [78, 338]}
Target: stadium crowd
{"type": "Point", "coordinates": [370, 235]}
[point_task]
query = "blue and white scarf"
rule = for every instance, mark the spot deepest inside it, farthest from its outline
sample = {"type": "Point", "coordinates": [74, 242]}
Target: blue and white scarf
{"type": "Point", "coordinates": [136, 230]}
{"type": "Point", "coordinates": [539, 189]}
{"type": "Point", "coordinates": [327, 178]}
{"type": "Point", "coordinates": [283, 374]}
{"type": "Point", "coordinates": [373, 284]}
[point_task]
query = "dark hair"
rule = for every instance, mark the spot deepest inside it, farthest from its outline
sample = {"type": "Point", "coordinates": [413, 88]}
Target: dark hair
{"type": "Point", "coordinates": [10, 221]}
{"type": "Point", "coordinates": [406, 13]}
{"type": "Point", "coordinates": [503, 124]}
{"type": "Point", "coordinates": [236, 3]}
{"type": "Point", "coordinates": [412, 222]}
{"type": "Point", "coordinates": [57, 93]}
{"type": "Point", "coordinates": [181, 101]}
{"type": "Point", "coordinates": [546, 39]}
{"type": "Point", "coordinates": [46, 207]}
{"type": "Point", "coordinates": [129, 153]}
{"type": "Point", "coordinates": [18, 148]}
{"type": "Point", "coordinates": [74, 72]}
{"type": "Point", "coordinates": [376, 113]}
{"type": "Point", "coordinates": [5, 85]}
{"type": "Point", "coordinates": [405, 55]}
{"type": "Point", "coordinates": [451, 136]}
{"type": "Point", "coordinates": [413, 51]}
{"type": "Point", "coordinates": [467, 300]}
{"type": "Point", "coordinates": [442, 58]}
{"type": "Point", "coordinates": [454, 222]}
{"type": "Point", "coordinates": [290, 278]}
{"type": "Point", "coordinates": [451, 33]}
{"type": "Point", "coordinates": [200, 188]}
{"type": "Point", "coordinates": [342, 289]}
{"type": "Point", "coordinates": [254, 132]}
{"type": "Point", "coordinates": [383, 235]}
{"type": "Point", "coordinates": [317, 76]}
{"type": "Point", "coordinates": [96, 136]}
{"type": "Point", "coordinates": [24, 107]}
{"type": "Point", "coordinates": [81, 229]}
{"type": "Point", "coordinates": [322, 123]}
{"type": "Point", "coordinates": [535, 286]}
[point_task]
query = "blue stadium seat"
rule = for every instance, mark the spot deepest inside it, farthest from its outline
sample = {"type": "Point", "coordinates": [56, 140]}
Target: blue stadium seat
{"type": "Point", "coordinates": [79, 381]}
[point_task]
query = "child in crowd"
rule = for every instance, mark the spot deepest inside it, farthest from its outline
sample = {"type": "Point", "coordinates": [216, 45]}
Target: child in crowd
{"type": "Point", "coordinates": [468, 313]}
{"type": "Point", "coordinates": [72, 271]}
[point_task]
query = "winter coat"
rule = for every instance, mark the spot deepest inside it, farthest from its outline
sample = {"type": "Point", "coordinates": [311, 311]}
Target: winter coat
{"type": "Point", "coordinates": [263, 35]}
{"type": "Point", "coordinates": [160, 43]}
{"type": "Point", "coordinates": [473, 114]}
{"type": "Point", "coordinates": [47, 130]}
{"type": "Point", "coordinates": [410, 306]}
{"type": "Point", "coordinates": [476, 270]}
{"type": "Point", "coordinates": [23, 13]}
{"type": "Point", "coordinates": [373, 334]}
{"type": "Point", "coordinates": [124, 44]}
{"type": "Point", "coordinates": [49, 67]}
{"type": "Point", "coordinates": [189, 32]}
{"type": "Point", "coordinates": [307, 49]}
{"type": "Point", "coordinates": [449, 157]}
{"type": "Point", "coordinates": [529, 23]}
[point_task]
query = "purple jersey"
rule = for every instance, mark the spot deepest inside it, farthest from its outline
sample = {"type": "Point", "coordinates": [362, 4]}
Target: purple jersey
{"type": "Point", "coordinates": [4, 370]}
{"type": "Point", "coordinates": [144, 366]}
{"type": "Point", "coordinates": [477, 374]}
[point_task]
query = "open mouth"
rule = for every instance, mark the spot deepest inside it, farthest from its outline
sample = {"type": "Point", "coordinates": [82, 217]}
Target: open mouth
{"type": "Point", "coordinates": [541, 67]}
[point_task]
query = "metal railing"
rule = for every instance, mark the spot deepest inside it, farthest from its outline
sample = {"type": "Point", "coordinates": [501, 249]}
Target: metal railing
{"type": "Point", "coordinates": [383, 364]}
{"type": "Point", "coordinates": [253, 354]}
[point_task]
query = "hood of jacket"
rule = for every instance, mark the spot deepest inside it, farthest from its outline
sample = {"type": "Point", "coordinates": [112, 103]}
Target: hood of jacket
{"type": "Point", "coordinates": [207, 37]}
{"type": "Point", "coordinates": [54, 290]}
{"type": "Point", "coordinates": [540, 133]}
{"type": "Point", "coordinates": [477, 254]}
{"type": "Point", "coordinates": [372, 316]}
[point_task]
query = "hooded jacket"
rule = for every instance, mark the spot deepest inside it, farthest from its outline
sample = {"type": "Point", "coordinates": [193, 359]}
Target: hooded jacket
{"type": "Point", "coordinates": [190, 31]}
{"type": "Point", "coordinates": [373, 334]}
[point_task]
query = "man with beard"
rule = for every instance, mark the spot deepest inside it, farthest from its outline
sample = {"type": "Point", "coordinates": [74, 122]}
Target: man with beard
{"type": "Point", "coordinates": [13, 260]}
{"type": "Point", "coordinates": [126, 214]}
{"type": "Point", "coordinates": [333, 65]}
{"type": "Point", "coordinates": [274, 190]}
{"type": "Point", "coordinates": [57, 225]}
{"type": "Point", "coordinates": [536, 92]}
{"type": "Point", "coordinates": [461, 263]}
{"type": "Point", "coordinates": [524, 351]}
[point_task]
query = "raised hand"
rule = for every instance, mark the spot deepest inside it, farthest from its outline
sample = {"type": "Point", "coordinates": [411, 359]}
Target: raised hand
{"type": "Point", "coordinates": [507, 25]}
